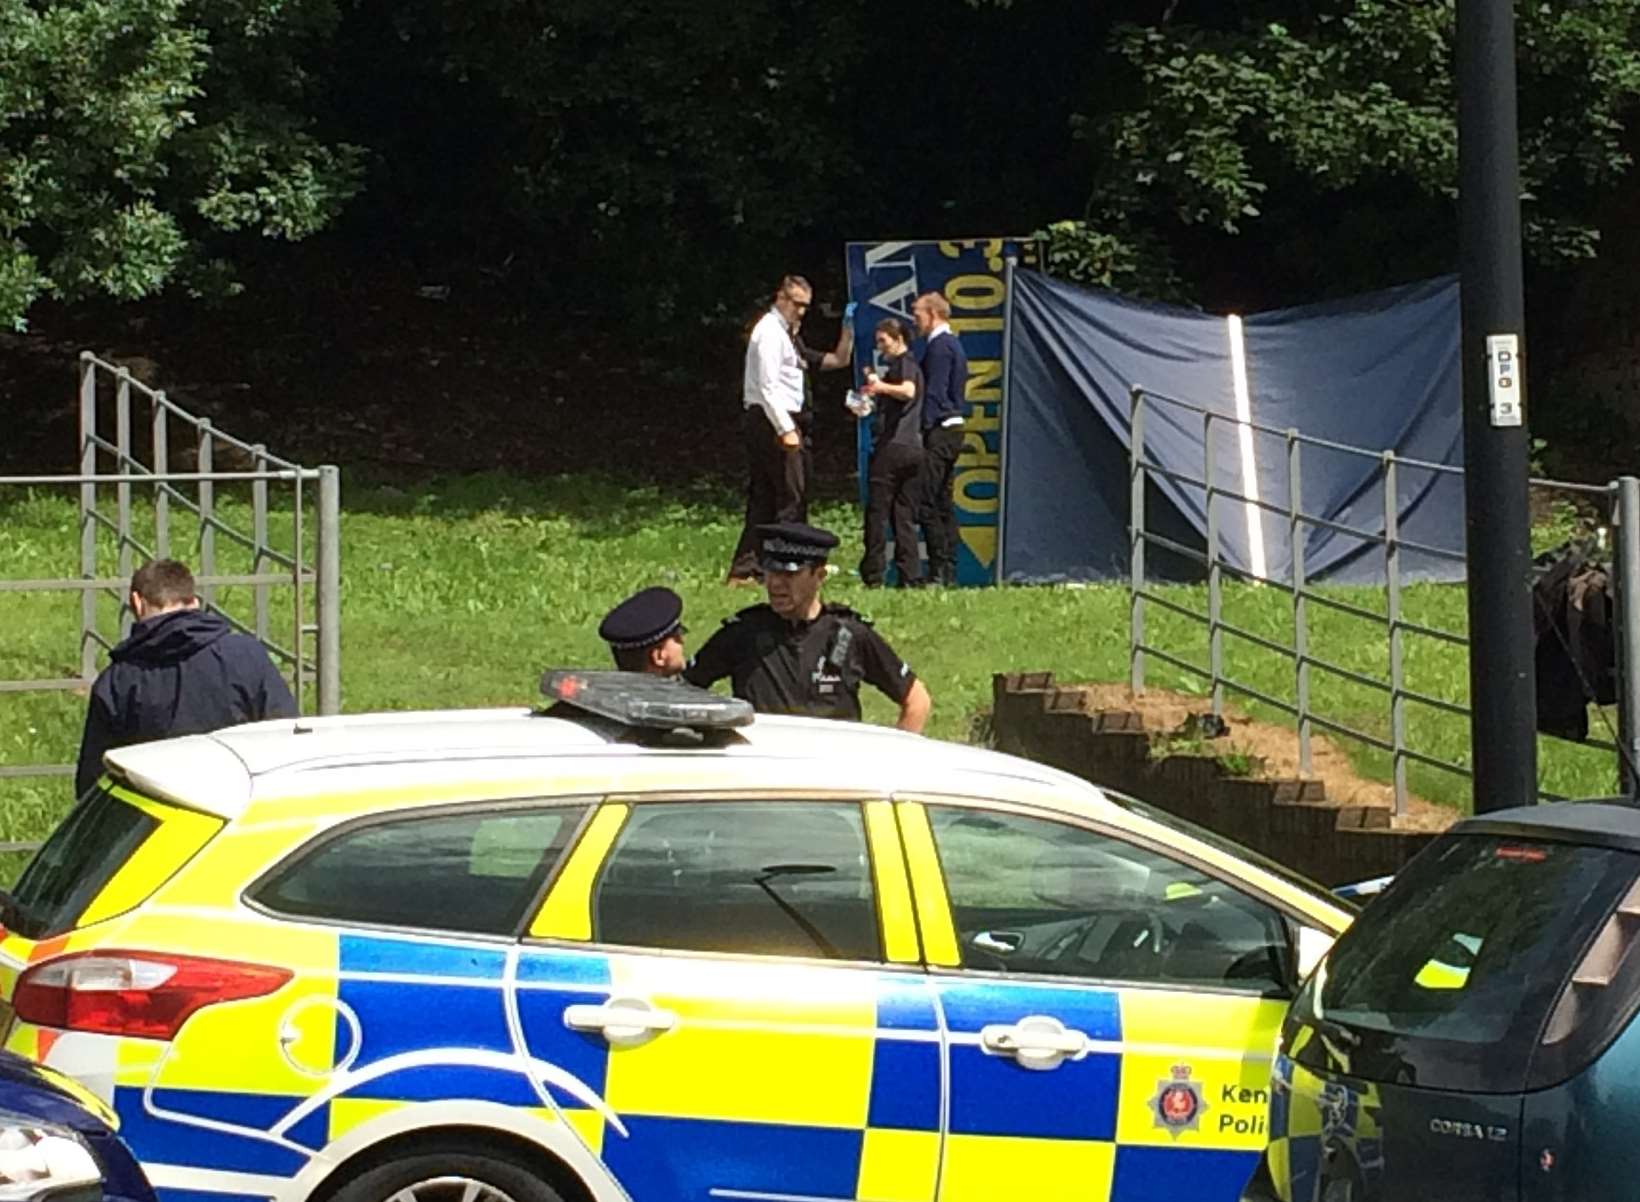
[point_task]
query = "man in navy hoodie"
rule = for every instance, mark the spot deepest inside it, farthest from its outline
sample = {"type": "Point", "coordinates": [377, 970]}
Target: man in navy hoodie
{"type": "Point", "coordinates": [181, 671]}
{"type": "Point", "coordinates": [945, 405]}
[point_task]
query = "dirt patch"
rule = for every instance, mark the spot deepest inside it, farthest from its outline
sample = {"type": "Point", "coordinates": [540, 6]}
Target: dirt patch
{"type": "Point", "coordinates": [362, 368]}
{"type": "Point", "coordinates": [1275, 746]}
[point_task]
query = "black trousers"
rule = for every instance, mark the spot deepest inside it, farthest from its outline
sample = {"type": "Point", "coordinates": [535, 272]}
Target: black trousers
{"type": "Point", "coordinates": [941, 446]}
{"type": "Point", "coordinates": [895, 482]}
{"type": "Point", "coordinates": [777, 485]}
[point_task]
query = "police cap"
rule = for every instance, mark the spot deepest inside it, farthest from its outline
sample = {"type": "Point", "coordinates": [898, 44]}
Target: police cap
{"type": "Point", "coordinates": [789, 546]}
{"type": "Point", "coordinates": [643, 619]}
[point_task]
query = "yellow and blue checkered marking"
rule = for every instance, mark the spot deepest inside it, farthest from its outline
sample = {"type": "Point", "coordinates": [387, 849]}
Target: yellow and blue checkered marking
{"type": "Point", "coordinates": [1146, 1174]}
{"type": "Point", "coordinates": [667, 1159]}
{"type": "Point", "coordinates": [577, 978]}
{"type": "Point", "coordinates": [993, 1095]}
{"type": "Point", "coordinates": [780, 1079]}
{"type": "Point", "coordinates": [905, 1063]}
{"type": "Point", "coordinates": [443, 997]}
{"type": "Point", "coordinates": [161, 1139]}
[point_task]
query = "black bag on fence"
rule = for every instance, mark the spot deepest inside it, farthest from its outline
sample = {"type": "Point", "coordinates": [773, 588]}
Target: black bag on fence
{"type": "Point", "coordinates": [1574, 627]}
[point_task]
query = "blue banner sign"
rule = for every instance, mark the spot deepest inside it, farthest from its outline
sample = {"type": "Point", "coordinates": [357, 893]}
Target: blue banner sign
{"type": "Point", "coordinates": [884, 278]}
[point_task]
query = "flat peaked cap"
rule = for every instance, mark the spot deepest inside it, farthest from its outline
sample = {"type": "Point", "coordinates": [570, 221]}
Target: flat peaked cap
{"type": "Point", "coordinates": [788, 546]}
{"type": "Point", "coordinates": [643, 619]}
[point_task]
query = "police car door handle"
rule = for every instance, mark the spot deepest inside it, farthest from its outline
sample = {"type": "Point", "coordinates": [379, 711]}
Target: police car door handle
{"type": "Point", "coordinates": [1037, 1042]}
{"type": "Point", "coordinates": [621, 1019]}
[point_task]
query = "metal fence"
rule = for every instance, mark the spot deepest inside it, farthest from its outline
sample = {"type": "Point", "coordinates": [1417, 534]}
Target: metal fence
{"type": "Point", "coordinates": [1621, 498]}
{"type": "Point", "coordinates": [227, 504]}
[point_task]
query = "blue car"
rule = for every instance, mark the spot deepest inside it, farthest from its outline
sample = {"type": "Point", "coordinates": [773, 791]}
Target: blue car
{"type": "Point", "coordinates": [57, 1141]}
{"type": "Point", "coordinates": [1472, 1035]}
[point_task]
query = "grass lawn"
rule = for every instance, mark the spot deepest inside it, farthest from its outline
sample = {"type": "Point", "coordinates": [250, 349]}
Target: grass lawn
{"type": "Point", "coordinates": [458, 592]}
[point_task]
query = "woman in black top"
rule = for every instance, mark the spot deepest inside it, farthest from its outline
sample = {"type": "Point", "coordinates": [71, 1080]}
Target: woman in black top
{"type": "Point", "coordinates": [896, 458]}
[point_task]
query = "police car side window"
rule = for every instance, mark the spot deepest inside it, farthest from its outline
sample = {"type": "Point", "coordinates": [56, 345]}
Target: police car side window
{"type": "Point", "coordinates": [1030, 895]}
{"type": "Point", "coordinates": [472, 872]}
{"type": "Point", "coordinates": [762, 878]}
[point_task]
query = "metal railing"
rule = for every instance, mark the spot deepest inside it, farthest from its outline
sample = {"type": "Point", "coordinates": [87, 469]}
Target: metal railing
{"type": "Point", "coordinates": [307, 564]}
{"type": "Point", "coordinates": [1622, 494]}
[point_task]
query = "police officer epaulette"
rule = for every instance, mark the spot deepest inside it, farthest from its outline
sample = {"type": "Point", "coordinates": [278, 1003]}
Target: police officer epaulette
{"type": "Point", "coordinates": [752, 614]}
{"type": "Point", "coordinates": [844, 611]}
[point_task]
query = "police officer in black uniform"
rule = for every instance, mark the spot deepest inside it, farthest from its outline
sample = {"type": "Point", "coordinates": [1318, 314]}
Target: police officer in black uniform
{"type": "Point", "coordinates": [797, 655]}
{"type": "Point", "coordinates": [645, 632]}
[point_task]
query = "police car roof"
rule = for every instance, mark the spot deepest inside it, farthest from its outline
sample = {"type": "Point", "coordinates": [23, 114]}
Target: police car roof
{"type": "Point", "coordinates": [223, 772]}
{"type": "Point", "coordinates": [1607, 822]}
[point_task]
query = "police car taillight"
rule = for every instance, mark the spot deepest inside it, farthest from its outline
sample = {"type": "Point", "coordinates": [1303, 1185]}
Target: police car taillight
{"type": "Point", "coordinates": [634, 699]}
{"type": "Point", "coordinates": [143, 994]}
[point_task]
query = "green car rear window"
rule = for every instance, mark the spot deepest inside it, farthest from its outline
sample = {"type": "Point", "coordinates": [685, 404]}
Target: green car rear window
{"type": "Point", "coordinates": [83, 854]}
{"type": "Point", "coordinates": [1452, 973]}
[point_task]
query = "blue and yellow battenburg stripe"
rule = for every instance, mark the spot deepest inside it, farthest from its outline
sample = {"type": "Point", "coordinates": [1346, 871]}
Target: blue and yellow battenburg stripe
{"type": "Point", "coordinates": [779, 1078]}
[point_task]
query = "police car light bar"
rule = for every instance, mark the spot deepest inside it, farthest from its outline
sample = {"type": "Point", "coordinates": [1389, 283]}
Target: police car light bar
{"type": "Point", "coordinates": [636, 699]}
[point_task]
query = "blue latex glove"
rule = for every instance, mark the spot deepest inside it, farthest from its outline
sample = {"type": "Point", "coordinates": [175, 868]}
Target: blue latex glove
{"type": "Point", "coordinates": [848, 310]}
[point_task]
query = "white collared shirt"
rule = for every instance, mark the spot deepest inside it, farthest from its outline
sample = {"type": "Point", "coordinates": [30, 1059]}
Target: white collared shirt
{"type": "Point", "coordinates": [774, 373]}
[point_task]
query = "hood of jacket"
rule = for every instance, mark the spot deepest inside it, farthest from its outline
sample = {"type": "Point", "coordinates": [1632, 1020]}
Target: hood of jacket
{"type": "Point", "coordinates": [170, 638]}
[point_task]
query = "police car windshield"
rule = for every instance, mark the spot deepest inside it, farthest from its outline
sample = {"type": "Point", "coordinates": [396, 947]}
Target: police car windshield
{"type": "Point", "coordinates": [1230, 848]}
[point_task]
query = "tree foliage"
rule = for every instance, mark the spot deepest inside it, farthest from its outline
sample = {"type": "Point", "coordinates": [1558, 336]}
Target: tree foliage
{"type": "Point", "coordinates": [654, 156]}
{"type": "Point", "coordinates": [646, 140]}
{"type": "Point", "coordinates": [135, 133]}
{"type": "Point", "coordinates": [1288, 114]}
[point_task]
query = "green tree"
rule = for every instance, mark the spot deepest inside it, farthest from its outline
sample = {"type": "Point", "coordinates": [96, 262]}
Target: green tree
{"type": "Point", "coordinates": [1334, 126]}
{"type": "Point", "coordinates": [137, 136]}
{"type": "Point", "coordinates": [655, 148]}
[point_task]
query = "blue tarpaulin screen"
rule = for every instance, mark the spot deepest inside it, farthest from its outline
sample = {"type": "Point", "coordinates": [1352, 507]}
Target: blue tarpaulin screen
{"type": "Point", "coordinates": [1376, 372]}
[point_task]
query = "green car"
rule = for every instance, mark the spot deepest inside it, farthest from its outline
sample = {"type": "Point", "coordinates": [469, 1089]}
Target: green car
{"type": "Point", "coordinates": [1472, 1035]}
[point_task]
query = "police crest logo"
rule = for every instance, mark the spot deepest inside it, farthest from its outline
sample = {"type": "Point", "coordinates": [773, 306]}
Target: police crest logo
{"type": "Point", "coordinates": [1178, 1104]}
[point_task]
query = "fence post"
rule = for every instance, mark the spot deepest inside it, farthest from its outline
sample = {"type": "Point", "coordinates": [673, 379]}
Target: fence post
{"type": "Point", "coordinates": [298, 646]}
{"type": "Point", "coordinates": [1215, 637]}
{"type": "Point", "coordinates": [207, 512]}
{"type": "Point", "coordinates": [1301, 614]}
{"type": "Point", "coordinates": [328, 591]}
{"type": "Point", "coordinates": [88, 506]}
{"type": "Point", "coordinates": [1136, 544]}
{"type": "Point", "coordinates": [1392, 583]}
{"type": "Point", "coordinates": [1628, 652]}
{"type": "Point", "coordinates": [259, 536]}
{"type": "Point", "coordinates": [162, 487]}
{"type": "Point", "coordinates": [122, 440]}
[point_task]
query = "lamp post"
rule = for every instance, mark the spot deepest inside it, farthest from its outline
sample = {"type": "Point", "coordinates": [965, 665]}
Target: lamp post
{"type": "Point", "coordinates": [1502, 687]}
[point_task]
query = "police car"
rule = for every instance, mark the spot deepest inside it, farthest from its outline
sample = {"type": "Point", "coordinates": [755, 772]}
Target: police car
{"type": "Point", "coordinates": [641, 945]}
{"type": "Point", "coordinates": [1472, 1036]}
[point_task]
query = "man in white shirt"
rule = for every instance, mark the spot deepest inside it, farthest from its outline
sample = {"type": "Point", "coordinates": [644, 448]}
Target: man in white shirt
{"type": "Point", "coordinates": [776, 419]}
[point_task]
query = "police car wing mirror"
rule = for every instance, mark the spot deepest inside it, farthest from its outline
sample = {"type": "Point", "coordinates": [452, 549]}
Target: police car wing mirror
{"type": "Point", "coordinates": [640, 700]}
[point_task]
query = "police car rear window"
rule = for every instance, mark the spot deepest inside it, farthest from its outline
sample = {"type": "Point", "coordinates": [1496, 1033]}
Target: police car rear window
{"type": "Point", "coordinates": [1461, 961]}
{"type": "Point", "coordinates": [82, 855]}
{"type": "Point", "coordinates": [475, 871]}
